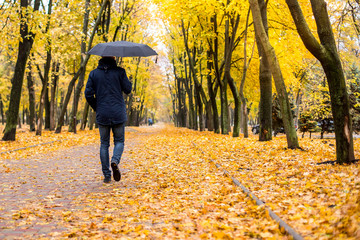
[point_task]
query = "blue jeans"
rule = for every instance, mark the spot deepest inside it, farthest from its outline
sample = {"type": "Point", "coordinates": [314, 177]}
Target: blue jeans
{"type": "Point", "coordinates": [119, 138]}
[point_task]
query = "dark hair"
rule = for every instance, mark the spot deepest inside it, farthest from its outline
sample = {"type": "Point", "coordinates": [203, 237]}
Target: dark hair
{"type": "Point", "coordinates": [108, 57]}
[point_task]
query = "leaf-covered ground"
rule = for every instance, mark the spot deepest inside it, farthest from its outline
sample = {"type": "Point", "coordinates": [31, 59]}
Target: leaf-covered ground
{"type": "Point", "coordinates": [170, 189]}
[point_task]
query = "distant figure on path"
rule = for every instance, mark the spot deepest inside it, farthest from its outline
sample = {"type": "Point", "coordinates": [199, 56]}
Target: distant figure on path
{"type": "Point", "coordinates": [150, 121]}
{"type": "Point", "coordinates": [104, 93]}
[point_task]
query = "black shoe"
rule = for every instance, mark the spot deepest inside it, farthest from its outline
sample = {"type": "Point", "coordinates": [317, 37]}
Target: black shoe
{"type": "Point", "coordinates": [116, 172]}
{"type": "Point", "coordinates": [107, 179]}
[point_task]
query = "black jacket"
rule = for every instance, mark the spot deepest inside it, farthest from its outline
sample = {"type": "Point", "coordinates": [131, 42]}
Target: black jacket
{"type": "Point", "coordinates": [104, 92]}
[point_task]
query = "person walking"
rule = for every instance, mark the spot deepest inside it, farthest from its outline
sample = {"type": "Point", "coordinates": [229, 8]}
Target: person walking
{"type": "Point", "coordinates": [104, 93]}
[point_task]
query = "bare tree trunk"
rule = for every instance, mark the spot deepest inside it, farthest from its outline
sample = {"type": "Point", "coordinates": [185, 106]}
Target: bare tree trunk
{"type": "Point", "coordinates": [237, 109]}
{"type": "Point", "coordinates": [231, 26]}
{"type": "Point", "coordinates": [43, 92]}
{"type": "Point", "coordinates": [85, 116]}
{"type": "Point", "coordinates": [187, 83]}
{"type": "Point", "coordinates": [54, 81]}
{"type": "Point", "coordinates": [265, 79]}
{"type": "Point", "coordinates": [25, 46]}
{"type": "Point", "coordinates": [297, 103]}
{"type": "Point", "coordinates": [45, 79]}
{"type": "Point", "coordinates": [269, 52]}
{"type": "Point", "coordinates": [327, 54]}
{"type": "Point", "coordinates": [242, 83]}
{"type": "Point", "coordinates": [212, 96]}
{"type": "Point", "coordinates": [2, 111]}
{"type": "Point", "coordinates": [19, 121]}
{"type": "Point", "coordinates": [92, 119]}
{"type": "Point", "coordinates": [31, 89]}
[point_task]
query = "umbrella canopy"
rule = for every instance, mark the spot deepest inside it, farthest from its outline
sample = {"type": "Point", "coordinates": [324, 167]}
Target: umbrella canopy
{"type": "Point", "coordinates": [122, 49]}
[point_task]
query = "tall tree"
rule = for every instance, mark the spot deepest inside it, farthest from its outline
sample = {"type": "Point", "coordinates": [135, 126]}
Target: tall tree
{"type": "Point", "coordinates": [231, 27]}
{"type": "Point", "coordinates": [244, 111]}
{"type": "Point", "coordinates": [193, 71]}
{"type": "Point", "coordinates": [212, 94]}
{"type": "Point", "coordinates": [214, 47]}
{"type": "Point", "coordinates": [80, 84]}
{"type": "Point", "coordinates": [291, 136]}
{"type": "Point", "coordinates": [326, 52]}
{"type": "Point", "coordinates": [25, 45]}
{"type": "Point", "coordinates": [45, 78]}
{"type": "Point", "coordinates": [265, 79]}
{"type": "Point", "coordinates": [80, 70]}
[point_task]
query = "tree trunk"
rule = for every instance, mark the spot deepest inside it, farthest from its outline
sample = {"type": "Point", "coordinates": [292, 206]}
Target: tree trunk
{"type": "Point", "coordinates": [24, 48]}
{"type": "Point", "coordinates": [244, 115]}
{"type": "Point", "coordinates": [19, 122]}
{"type": "Point", "coordinates": [31, 89]}
{"type": "Point", "coordinates": [77, 92]}
{"type": "Point", "coordinates": [2, 111]}
{"type": "Point", "coordinates": [327, 54]}
{"type": "Point", "coordinates": [193, 100]}
{"type": "Point", "coordinates": [132, 110]}
{"type": "Point", "coordinates": [182, 102]}
{"type": "Point", "coordinates": [297, 103]}
{"type": "Point", "coordinates": [224, 109]}
{"type": "Point", "coordinates": [228, 50]}
{"type": "Point", "coordinates": [200, 109]}
{"type": "Point", "coordinates": [209, 117]}
{"type": "Point", "coordinates": [187, 83]}
{"type": "Point", "coordinates": [54, 81]}
{"type": "Point", "coordinates": [92, 119]}
{"type": "Point", "coordinates": [23, 115]}
{"type": "Point", "coordinates": [41, 110]}
{"type": "Point", "coordinates": [269, 52]}
{"type": "Point", "coordinates": [44, 97]}
{"type": "Point", "coordinates": [44, 90]}
{"type": "Point", "coordinates": [265, 79]}
{"type": "Point", "coordinates": [212, 95]}
{"type": "Point", "coordinates": [77, 74]}
{"type": "Point", "coordinates": [47, 108]}
{"type": "Point", "coordinates": [85, 116]}
{"type": "Point", "coordinates": [181, 94]}
{"type": "Point", "coordinates": [237, 109]}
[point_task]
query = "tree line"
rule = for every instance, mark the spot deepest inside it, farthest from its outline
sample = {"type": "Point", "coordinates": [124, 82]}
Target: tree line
{"type": "Point", "coordinates": [213, 45]}
{"type": "Point", "coordinates": [51, 57]}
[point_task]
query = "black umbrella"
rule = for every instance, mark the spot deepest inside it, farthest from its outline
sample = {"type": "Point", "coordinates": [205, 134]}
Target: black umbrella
{"type": "Point", "coordinates": [122, 49]}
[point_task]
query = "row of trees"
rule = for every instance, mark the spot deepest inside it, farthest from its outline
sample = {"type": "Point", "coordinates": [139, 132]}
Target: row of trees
{"type": "Point", "coordinates": [219, 48]}
{"type": "Point", "coordinates": [52, 41]}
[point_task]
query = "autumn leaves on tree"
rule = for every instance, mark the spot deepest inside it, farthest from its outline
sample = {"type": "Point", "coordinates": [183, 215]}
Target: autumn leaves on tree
{"type": "Point", "coordinates": [222, 57]}
{"type": "Point", "coordinates": [217, 28]}
{"type": "Point", "coordinates": [48, 33]}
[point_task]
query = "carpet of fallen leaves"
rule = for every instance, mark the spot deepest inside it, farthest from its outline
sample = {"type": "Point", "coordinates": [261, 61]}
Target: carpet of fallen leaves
{"type": "Point", "coordinates": [170, 189]}
{"type": "Point", "coordinates": [28, 144]}
{"type": "Point", "coordinates": [319, 201]}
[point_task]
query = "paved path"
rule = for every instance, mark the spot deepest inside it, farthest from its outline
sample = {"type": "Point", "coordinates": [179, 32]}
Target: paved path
{"type": "Point", "coordinates": [50, 181]}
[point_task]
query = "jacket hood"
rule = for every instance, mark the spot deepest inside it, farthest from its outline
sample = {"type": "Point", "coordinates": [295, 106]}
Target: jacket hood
{"type": "Point", "coordinates": [106, 63]}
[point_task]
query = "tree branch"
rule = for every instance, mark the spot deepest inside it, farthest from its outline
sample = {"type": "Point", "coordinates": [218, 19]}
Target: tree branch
{"type": "Point", "coordinates": [303, 29]}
